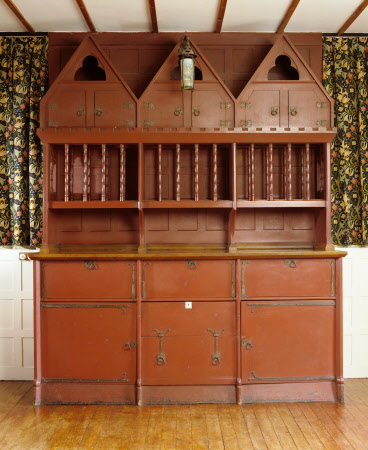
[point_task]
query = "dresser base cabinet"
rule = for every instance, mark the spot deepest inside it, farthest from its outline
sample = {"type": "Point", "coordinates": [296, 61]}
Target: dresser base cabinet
{"type": "Point", "coordinates": [253, 328]}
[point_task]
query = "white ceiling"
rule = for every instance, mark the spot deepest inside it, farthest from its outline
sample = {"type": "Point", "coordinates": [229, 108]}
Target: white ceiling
{"type": "Point", "coordinates": [325, 16]}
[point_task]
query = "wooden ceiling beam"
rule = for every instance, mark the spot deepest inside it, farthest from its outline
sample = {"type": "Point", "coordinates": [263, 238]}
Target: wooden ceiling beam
{"type": "Point", "coordinates": [19, 16]}
{"type": "Point", "coordinates": [221, 15]}
{"type": "Point", "coordinates": [86, 16]}
{"type": "Point", "coordinates": [353, 17]}
{"type": "Point", "coordinates": [287, 16]}
{"type": "Point", "coordinates": [152, 7]}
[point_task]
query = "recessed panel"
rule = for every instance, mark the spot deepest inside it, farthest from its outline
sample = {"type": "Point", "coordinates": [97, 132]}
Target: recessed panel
{"type": "Point", "coordinates": [7, 351]}
{"type": "Point", "coordinates": [6, 314]}
{"type": "Point", "coordinates": [27, 314]}
{"type": "Point", "coordinates": [27, 352]}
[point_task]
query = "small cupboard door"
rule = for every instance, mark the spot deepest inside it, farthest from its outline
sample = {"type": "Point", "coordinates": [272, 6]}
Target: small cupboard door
{"type": "Point", "coordinates": [88, 342]}
{"type": "Point", "coordinates": [261, 108]}
{"type": "Point", "coordinates": [308, 107]}
{"type": "Point", "coordinates": [113, 108]}
{"type": "Point", "coordinates": [287, 341]}
{"type": "Point", "coordinates": [164, 107]}
{"type": "Point", "coordinates": [188, 346]}
{"type": "Point", "coordinates": [68, 107]}
{"type": "Point", "coordinates": [211, 107]}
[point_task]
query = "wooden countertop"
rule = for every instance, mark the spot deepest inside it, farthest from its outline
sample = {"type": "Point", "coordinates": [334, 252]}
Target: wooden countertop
{"type": "Point", "coordinates": [167, 252]}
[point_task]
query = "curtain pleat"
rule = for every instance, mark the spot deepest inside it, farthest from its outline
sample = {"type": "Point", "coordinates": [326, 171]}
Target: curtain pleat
{"type": "Point", "coordinates": [23, 82]}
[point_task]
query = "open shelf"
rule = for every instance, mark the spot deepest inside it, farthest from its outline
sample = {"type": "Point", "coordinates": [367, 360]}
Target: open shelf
{"type": "Point", "coordinates": [281, 204]}
{"type": "Point", "coordinates": [94, 204]}
{"type": "Point", "coordinates": [187, 204]}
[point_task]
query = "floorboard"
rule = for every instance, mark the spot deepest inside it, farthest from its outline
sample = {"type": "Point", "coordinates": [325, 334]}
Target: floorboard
{"type": "Point", "coordinates": [167, 427]}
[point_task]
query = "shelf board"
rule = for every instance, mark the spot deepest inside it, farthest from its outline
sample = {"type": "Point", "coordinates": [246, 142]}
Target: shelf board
{"type": "Point", "coordinates": [315, 203]}
{"type": "Point", "coordinates": [152, 204]}
{"type": "Point", "coordinates": [94, 204]}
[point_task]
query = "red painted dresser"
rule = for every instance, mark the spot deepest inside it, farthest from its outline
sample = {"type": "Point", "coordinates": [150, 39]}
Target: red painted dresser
{"type": "Point", "coordinates": [187, 252]}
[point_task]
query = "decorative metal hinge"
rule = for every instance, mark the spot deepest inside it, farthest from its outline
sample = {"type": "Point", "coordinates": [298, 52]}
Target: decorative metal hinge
{"type": "Point", "coordinates": [128, 123]}
{"type": "Point", "coordinates": [245, 105]}
{"type": "Point", "coordinates": [149, 105]}
{"type": "Point", "coordinates": [247, 344]}
{"type": "Point", "coordinates": [245, 123]}
{"type": "Point", "coordinates": [225, 123]}
{"type": "Point", "coordinates": [128, 106]}
{"type": "Point", "coordinates": [216, 357]}
{"type": "Point", "coordinates": [293, 111]}
{"type": "Point", "coordinates": [196, 111]}
{"type": "Point", "coordinates": [321, 123]}
{"type": "Point", "coordinates": [274, 110]}
{"type": "Point", "coordinates": [52, 106]}
{"type": "Point", "coordinates": [52, 124]}
{"type": "Point", "coordinates": [225, 105]}
{"type": "Point", "coordinates": [148, 123]}
{"type": "Point", "coordinates": [178, 111]}
{"type": "Point", "coordinates": [321, 105]}
{"type": "Point", "coordinates": [161, 357]}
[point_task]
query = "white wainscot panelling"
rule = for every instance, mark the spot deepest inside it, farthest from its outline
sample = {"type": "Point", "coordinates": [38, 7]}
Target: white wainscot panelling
{"type": "Point", "coordinates": [355, 313]}
{"type": "Point", "coordinates": [16, 316]}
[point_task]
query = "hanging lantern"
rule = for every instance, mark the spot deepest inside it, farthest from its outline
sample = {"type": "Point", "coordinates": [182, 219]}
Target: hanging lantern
{"type": "Point", "coordinates": [186, 61]}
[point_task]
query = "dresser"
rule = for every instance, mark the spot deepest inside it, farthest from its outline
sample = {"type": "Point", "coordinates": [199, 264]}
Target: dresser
{"type": "Point", "coordinates": [187, 252]}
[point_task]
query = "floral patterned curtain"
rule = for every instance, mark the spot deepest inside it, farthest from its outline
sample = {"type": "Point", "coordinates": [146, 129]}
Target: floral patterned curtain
{"type": "Point", "coordinates": [23, 82]}
{"type": "Point", "coordinates": [345, 72]}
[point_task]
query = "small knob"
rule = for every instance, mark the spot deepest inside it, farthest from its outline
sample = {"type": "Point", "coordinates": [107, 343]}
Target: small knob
{"type": "Point", "coordinates": [293, 111]}
{"type": "Point", "coordinates": [98, 112]}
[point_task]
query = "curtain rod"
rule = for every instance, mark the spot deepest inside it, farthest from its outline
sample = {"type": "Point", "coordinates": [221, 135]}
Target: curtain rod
{"type": "Point", "coordinates": [345, 35]}
{"type": "Point", "coordinates": [3, 34]}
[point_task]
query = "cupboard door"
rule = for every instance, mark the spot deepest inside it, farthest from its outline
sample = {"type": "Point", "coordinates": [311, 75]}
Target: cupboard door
{"type": "Point", "coordinates": [288, 278]}
{"type": "Point", "coordinates": [68, 108]}
{"type": "Point", "coordinates": [88, 342]}
{"type": "Point", "coordinates": [308, 107]}
{"type": "Point", "coordinates": [113, 108]}
{"type": "Point", "coordinates": [88, 279]}
{"type": "Point", "coordinates": [164, 108]}
{"type": "Point", "coordinates": [287, 340]}
{"type": "Point", "coordinates": [261, 108]}
{"type": "Point", "coordinates": [188, 346]}
{"type": "Point", "coordinates": [189, 279]}
{"type": "Point", "coordinates": [211, 107]}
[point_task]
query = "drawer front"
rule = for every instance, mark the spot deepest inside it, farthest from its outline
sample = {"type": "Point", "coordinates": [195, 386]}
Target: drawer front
{"type": "Point", "coordinates": [188, 322]}
{"type": "Point", "coordinates": [288, 341]}
{"type": "Point", "coordinates": [189, 279]}
{"type": "Point", "coordinates": [88, 342]}
{"type": "Point", "coordinates": [288, 278]}
{"type": "Point", "coordinates": [88, 279]}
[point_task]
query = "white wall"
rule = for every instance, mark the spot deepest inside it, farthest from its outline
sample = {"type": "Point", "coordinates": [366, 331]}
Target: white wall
{"type": "Point", "coordinates": [16, 315]}
{"type": "Point", "coordinates": [355, 313]}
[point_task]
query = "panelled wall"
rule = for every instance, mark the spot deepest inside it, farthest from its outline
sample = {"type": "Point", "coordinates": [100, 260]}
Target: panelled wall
{"type": "Point", "coordinates": [16, 316]}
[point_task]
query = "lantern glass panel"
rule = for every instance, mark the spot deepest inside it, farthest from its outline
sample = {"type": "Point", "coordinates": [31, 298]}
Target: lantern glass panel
{"type": "Point", "coordinates": [187, 73]}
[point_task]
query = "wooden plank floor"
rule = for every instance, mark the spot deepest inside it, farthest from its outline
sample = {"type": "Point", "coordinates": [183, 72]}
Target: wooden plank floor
{"type": "Point", "coordinates": [258, 426]}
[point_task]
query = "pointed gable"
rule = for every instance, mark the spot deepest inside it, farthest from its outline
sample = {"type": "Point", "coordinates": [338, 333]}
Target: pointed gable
{"type": "Point", "coordinates": [284, 92]}
{"type": "Point", "coordinates": [89, 92]}
{"type": "Point", "coordinates": [164, 104]}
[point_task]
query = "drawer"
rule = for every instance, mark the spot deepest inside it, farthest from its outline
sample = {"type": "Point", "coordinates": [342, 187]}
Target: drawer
{"type": "Point", "coordinates": [178, 344]}
{"type": "Point", "coordinates": [288, 340]}
{"type": "Point", "coordinates": [189, 279]}
{"type": "Point", "coordinates": [89, 342]}
{"type": "Point", "coordinates": [288, 278]}
{"type": "Point", "coordinates": [188, 322]}
{"type": "Point", "coordinates": [88, 279]}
